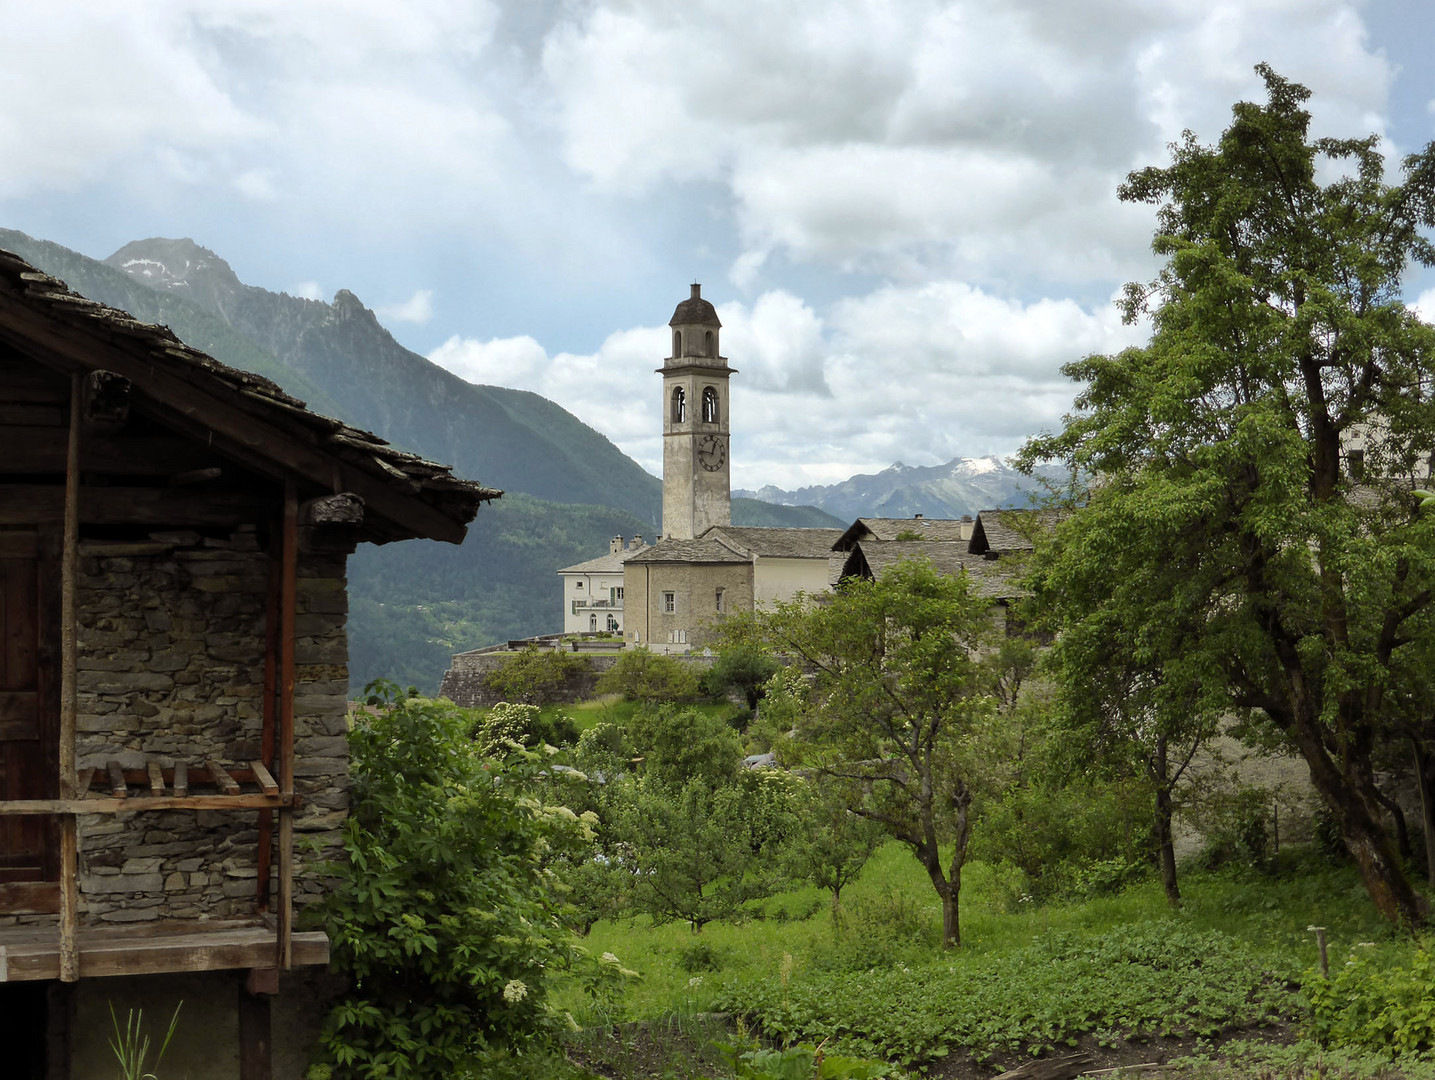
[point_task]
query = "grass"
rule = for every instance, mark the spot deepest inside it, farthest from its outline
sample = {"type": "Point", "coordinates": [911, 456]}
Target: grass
{"type": "Point", "coordinates": [613, 709]}
{"type": "Point", "coordinates": [874, 982]}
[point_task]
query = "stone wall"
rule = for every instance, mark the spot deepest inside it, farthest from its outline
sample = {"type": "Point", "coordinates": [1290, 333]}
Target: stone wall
{"type": "Point", "coordinates": [171, 665]}
{"type": "Point", "coordinates": [694, 587]}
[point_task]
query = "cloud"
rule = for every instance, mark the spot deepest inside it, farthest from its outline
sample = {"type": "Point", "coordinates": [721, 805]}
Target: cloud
{"type": "Point", "coordinates": [418, 308]}
{"type": "Point", "coordinates": [921, 374]}
{"type": "Point", "coordinates": [308, 290]}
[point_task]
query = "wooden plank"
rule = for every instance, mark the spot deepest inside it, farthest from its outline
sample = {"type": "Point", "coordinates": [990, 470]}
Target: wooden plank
{"type": "Point", "coordinates": [22, 504]}
{"type": "Point", "coordinates": [288, 619]}
{"type": "Point", "coordinates": [30, 896]}
{"type": "Point", "coordinates": [156, 778]}
{"type": "Point", "coordinates": [181, 779]}
{"type": "Point", "coordinates": [69, 695]}
{"type": "Point", "coordinates": [18, 543]}
{"type": "Point", "coordinates": [156, 954]}
{"type": "Point", "coordinates": [263, 778]}
{"type": "Point", "coordinates": [109, 804]}
{"type": "Point", "coordinates": [221, 777]}
{"type": "Point", "coordinates": [42, 450]}
{"type": "Point", "coordinates": [118, 788]}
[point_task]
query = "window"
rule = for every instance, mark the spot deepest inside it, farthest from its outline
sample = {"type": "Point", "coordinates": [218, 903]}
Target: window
{"type": "Point", "coordinates": [718, 603]}
{"type": "Point", "coordinates": [670, 602]}
{"type": "Point", "coordinates": [592, 622]}
{"type": "Point", "coordinates": [1355, 462]}
{"type": "Point", "coordinates": [708, 342]}
{"type": "Point", "coordinates": [615, 594]}
{"type": "Point", "coordinates": [612, 623]}
{"type": "Point", "coordinates": [680, 405]}
{"type": "Point", "coordinates": [577, 584]}
{"type": "Point", "coordinates": [710, 408]}
{"type": "Point", "coordinates": [677, 343]}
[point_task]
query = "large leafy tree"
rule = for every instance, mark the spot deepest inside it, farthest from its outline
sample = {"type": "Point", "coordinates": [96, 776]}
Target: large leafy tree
{"type": "Point", "coordinates": [899, 694]}
{"type": "Point", "coordinates": [1221, 532]}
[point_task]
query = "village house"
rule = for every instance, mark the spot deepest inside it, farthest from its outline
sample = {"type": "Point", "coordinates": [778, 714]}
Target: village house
{"type": "Point", "coordinates": [173, 684]}
{"type": "Point", "coordinates": [593, 590]}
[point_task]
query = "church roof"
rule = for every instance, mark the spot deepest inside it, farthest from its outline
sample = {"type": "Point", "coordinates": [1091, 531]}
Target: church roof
{"type": "Point", "coordinates": [705, 549]}
{"type": "Point", "coordinates": [891, 528]}
{"type": "Point", "coordinates": [780, 543]}
{"type": "Point", "coordinates": [611, 563]}
{"type": "Point", "coordinates": [695, 310]}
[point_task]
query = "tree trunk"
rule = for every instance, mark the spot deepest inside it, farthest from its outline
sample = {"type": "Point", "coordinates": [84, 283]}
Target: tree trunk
{"type": "Point", "coordinates": [1425, 778]}
{"type": "Point", "coordinates": [1161, 771]}
{"type": "Point", "coordinates": [1365, 838]}
{"type": "Point", "coordinates": [1166, 845]}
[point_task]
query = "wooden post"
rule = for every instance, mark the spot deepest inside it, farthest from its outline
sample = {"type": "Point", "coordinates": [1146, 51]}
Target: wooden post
{"type": "Point", "coordinates": [288, 602]}
{"type": "Point", "coordinates": [255, 1041]}
{"type": "Point", "coordinates": [69, 695]}
{"type": "Point", "coordinates": [271, 708]}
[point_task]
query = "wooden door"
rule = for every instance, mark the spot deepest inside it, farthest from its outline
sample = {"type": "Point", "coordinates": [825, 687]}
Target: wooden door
{"type": "Point", "coordinates": [28, 750]}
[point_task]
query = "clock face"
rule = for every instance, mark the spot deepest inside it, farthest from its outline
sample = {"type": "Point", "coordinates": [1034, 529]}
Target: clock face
{"type": "Point", "coordinates": [711, 452]}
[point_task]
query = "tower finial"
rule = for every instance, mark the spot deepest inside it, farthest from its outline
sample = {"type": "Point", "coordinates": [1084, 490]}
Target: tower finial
{"type": "Point", "coordinates": [697, 291]}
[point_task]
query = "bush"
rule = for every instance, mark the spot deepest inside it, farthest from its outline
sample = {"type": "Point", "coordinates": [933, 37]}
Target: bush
{"type": "Point", "coordinates": [1367, 1005]}
{"type": "Point", "coordinates": [444, 915]}
{"type": "Point", "coordinates": [650, 678]}
{"type": "Point", "coordinates": [535, 676]}
{"type": "Point", "coordinates": [526, 725]}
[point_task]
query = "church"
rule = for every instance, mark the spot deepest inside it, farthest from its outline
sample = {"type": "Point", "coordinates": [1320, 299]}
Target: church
{"type": "Point", "coordinates": [704, 567]}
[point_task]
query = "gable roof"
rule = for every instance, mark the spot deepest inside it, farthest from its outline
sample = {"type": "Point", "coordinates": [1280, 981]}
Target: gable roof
{"type": "Point", "coordinates": [992, 579]}
{"type": "Point", "coordinates": [1001, 532]}
{"type": "Point", "coordinates": [612, 563]}
{"type": "Point", "coordinates": [778, 543]}
{"type": "Point", "coordinates": [243, 416]}
{"type": "Point", "coordinates": [942, 529]}
{"type": "Point", "coordinates": [705, 549]}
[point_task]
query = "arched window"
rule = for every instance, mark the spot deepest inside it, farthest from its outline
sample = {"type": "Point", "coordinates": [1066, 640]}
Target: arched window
{"type": "Point", "coordinates": [708, 341]}
{"type": "Point", "coordinates": [677, 343]}
{"type": "Point", "coordinates": [680, 405]}
{"type": "Point", "coordinates": [612, 623]}
{"type": "Point", "coordinates": [710, 406]}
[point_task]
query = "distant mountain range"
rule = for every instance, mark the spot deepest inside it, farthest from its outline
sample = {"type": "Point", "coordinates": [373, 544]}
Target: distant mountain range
{"type": "Point", "coordinates": [961, 486]}
{"type": "Point", "coordinates": [569, 489]}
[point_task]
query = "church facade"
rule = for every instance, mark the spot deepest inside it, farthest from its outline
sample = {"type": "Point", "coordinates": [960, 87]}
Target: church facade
{"type": "Point", "coordinates": [702, 567]}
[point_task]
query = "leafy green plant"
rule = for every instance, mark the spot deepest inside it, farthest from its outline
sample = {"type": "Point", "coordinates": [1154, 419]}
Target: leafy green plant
{"type": "Point", "coordinates": [799, 1062]}
{"type": "Point", "coordinates": [649, 677]}
{"type": "Point", "coordinates": [536, 676]}
{"type": "Point", "coordinates": [445, 917]}
{"type": "Point", "coordinates": [131, 1044]}
{"type": "Point", "coordinates": [1366, 1004]}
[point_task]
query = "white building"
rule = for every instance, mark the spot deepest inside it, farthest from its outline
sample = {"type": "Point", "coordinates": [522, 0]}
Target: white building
{"type": "Point", "coordinates": [593, 590]}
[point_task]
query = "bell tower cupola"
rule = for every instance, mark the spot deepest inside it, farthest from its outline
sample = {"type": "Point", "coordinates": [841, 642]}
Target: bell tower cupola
{"type": "Point", "coordinates": [697, 488]}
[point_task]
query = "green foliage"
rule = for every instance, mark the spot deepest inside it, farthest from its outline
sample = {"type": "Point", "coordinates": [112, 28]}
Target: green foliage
{"type": "Point", "coordinates": [1369, 1004]}
{"type": "Point", "coordinates": [535, 676]}
{"type": "Point", "coordinates": [679, 745]}
{"type": "Point", "coordinates": [799, 1063]}
{"type": "Point", "coordinates": [1226, 551]}
{"type": "Point", "coordinates": [896, 708]}
{"type": "Point", "coordinates": [526, 725]}
{"type": "Point", "coordinates": [743, 668]}
{"type": "Point", "coordinates": [649, 677]}
{"type": "Point", "coordinates": [131, 1043]}
{"type": "Point", "coordinates": [1157, 978]}
{"type": "Point", "coordinates": [444, 915]}
{"type": "Point", "coordinates": [833, 843]}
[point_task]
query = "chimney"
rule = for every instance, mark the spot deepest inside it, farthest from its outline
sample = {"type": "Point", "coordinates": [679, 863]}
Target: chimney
{"type": "Point", "coordinates": [697, 292]}
{"type": "Point", "coordinates": [916, 517]}
{"type": "Point", "coordinates": [615, 545]}
{"type": "Point", "coordinates": [635, 543]}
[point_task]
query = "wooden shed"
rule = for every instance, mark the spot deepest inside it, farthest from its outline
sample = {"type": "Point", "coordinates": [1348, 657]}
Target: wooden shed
{"type": "Point", "coordinates": [173, 674]}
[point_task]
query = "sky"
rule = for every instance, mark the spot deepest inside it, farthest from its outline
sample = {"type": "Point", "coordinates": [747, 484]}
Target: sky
{"type": "Point", "coordinates": [904, 210]}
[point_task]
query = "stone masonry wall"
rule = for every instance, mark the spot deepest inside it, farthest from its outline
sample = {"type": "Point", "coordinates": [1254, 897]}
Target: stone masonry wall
{"type": "Point", "coordinates": [171, 664]}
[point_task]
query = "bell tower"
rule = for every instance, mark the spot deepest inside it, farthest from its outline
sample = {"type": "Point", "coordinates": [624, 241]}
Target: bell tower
{"type": "Point", "coordinates": [697, 490]}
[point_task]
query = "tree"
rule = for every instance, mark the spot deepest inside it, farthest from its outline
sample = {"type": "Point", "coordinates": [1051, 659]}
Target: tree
{"type": "Point", "coordinates": [649, 677]}
{"type": "Point", "coordinates": [898, 695]}
{"type": "Point", "coordinates": [535, 676]}
{"type": "Point", "coordinates": [1220, 529]}
{"type": "Point", "coordinates": [835, 843]}
{"type": "Point", "coordinates": [444, 916]}
{"type": "Point", "coordinates": [741, 668]}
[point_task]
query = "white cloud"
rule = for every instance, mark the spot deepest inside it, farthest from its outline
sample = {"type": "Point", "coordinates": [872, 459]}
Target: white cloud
{"type": "Point", "coordinates": [308, 290]}
{"type": "Point", "coordinates": [418, 308]}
